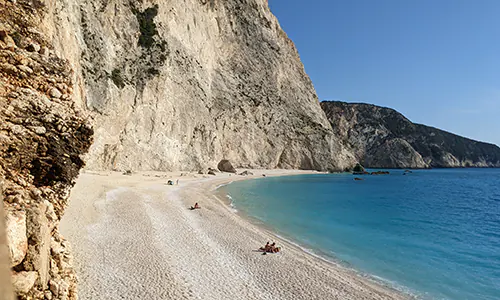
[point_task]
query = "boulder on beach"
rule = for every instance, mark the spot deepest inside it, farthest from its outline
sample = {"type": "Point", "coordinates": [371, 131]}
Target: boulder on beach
{"type": "Point", "coordinates": [211, 173]}
{"type": "Point", "coordinates": [246, 173]}
{"type": "Point", "coordinates": [226, 166]}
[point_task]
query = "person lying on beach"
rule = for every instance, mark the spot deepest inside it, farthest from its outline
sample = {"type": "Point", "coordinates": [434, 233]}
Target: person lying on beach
{"type": "Point", "coordinates": [196, 206]}
{"type": "Point", "coordinates": [270, 248]}
{"type": "Point", "coordinates": [273, 248]}
{"type": "Point", "coordinates": [266, 247]}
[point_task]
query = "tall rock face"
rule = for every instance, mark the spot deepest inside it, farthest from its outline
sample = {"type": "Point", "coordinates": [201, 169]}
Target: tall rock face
{"type": "Point", "coordinates": [183, 84]}
{"type": "Point", "coordinates": [381, 137]}
{"type": "Point", "coordinates": [43, 137]}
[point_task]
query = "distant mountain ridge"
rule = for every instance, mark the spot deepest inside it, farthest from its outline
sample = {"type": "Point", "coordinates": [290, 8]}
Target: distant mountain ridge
{"type": "Point", "coordinates": [381, 137]}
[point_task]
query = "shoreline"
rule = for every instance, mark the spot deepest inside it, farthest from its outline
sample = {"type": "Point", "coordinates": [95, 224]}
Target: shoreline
{"type": "Point", "coordinates": [316, 253]}
{"type": "Point", "coordinates": [131, 234]}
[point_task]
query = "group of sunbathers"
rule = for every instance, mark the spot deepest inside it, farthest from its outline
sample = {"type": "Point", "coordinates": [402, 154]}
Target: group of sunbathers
{"type": "Point", "coordinates": [271, 248]}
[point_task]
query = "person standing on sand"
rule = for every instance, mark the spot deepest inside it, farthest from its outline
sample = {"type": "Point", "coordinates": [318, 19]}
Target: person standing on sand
{"type": "Point", "coordinates": [177, 181]}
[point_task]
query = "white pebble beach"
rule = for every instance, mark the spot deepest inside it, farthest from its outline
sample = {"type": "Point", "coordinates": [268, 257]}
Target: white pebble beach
{"type": "Point", "coordinates": [134, 237]}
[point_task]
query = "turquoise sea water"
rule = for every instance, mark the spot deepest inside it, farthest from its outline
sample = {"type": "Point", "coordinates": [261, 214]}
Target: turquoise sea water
{"type": "Point", "coordinates": [434, 233]}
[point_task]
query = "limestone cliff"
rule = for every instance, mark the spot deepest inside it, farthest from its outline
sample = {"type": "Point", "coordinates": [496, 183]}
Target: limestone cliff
{"type": "Point", "coordinates": [183, 84]}
{"type": "Point", "coordinates": [42, 140]}
{"type": "Point", "coordinates": [381, 137]}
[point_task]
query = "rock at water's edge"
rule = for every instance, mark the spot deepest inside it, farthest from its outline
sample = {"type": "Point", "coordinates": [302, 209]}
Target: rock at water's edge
{"type": "Point", "coordinates": [358, 169]}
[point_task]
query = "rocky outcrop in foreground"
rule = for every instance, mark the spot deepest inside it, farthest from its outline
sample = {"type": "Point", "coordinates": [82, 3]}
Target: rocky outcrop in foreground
{"type": "Point", "coordinates": [381, 137]}
{"type": "Point", "coordinates": [42, 140]}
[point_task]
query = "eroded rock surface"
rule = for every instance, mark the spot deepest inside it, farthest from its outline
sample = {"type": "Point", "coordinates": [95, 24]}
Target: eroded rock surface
{"type": "Point", "coordinates": [42, 139]}
{"type": "Point", "coordinates": [381, 137]}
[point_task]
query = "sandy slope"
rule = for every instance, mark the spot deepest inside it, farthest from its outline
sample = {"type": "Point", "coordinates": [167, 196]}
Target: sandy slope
{"type": "Point", "coordinates": [133, 237]}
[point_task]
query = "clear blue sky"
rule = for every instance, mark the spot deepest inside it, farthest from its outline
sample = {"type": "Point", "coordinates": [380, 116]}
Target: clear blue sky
{"type": "Point", "coordinates": [435, 61]}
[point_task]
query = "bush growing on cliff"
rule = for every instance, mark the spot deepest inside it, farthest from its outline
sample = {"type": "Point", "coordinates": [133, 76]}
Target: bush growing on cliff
{"type": "Point", "coordinates": [147, 25]}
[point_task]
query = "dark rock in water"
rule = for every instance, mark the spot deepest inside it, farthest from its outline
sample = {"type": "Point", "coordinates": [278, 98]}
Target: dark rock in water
{"type": "Point", "coordinates": [380, 173]}
{"type": "Point", "coordinates": [211, 173]}
{"type": "Point", "coordinates": [226, 166]}
{"type": "Point", "coordinates": [357, 178]}
{"type": "Point", "coordinates": [245, 173]}
{"type": "Point", "coordinates": [358, 168]}
{"type": "Point", "coordinates": [381, 137]}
